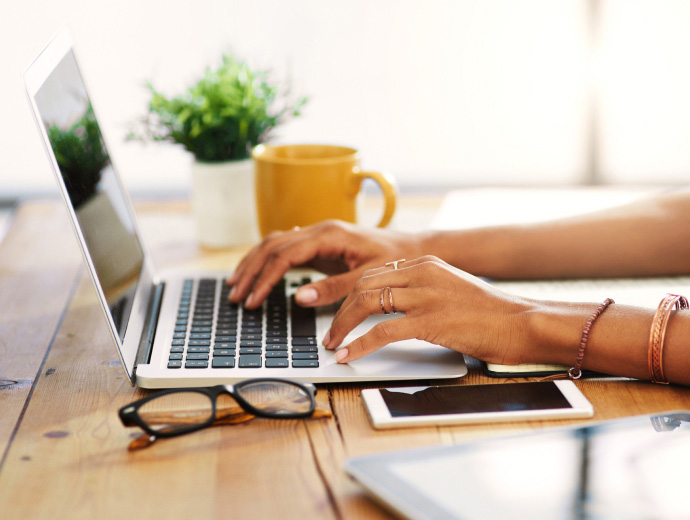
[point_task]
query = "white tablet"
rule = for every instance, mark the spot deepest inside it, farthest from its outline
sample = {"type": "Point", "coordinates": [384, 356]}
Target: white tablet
{"type": "Point", "coordinates": [436, 405]}
{"type": "Point", "coordinates": [632, 468]}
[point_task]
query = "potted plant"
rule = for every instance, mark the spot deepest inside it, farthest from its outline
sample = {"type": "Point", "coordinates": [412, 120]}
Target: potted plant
{"type": "Point", "coordinates": [80, 153]}
{"type": "Point", "coordinates": [219, 120]}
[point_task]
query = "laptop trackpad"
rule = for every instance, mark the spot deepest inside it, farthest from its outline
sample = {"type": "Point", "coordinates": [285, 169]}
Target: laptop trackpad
{"type": "Point", "coordinates": [398, 355]}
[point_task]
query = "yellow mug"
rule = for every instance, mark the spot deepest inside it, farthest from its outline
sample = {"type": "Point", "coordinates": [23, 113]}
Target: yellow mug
{"type": "Point", "coordinates": [298, 185]}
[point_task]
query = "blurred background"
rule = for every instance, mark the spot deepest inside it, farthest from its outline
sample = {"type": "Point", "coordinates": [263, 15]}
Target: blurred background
{"type": "Point", "coordinates": [441, 93]}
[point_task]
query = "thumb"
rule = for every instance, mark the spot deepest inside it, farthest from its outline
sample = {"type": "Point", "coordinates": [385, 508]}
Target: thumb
{"type": "Point", "coordinates": [328, 290]}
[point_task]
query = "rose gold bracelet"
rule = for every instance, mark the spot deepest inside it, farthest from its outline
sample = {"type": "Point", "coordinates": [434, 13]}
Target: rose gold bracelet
{"type": "Point", "coordinates": [576, 371]}
{"type": "Point", "coordinates": [658, 332]}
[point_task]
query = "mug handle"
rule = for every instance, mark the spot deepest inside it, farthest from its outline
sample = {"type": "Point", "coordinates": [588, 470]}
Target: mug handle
{"type": "Point", "coordinates": [387, 184]}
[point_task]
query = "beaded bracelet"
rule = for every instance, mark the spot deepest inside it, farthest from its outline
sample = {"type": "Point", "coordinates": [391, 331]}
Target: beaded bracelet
{"type": "Point", "coordinates": [657, 333]}
{"type": "Point", "coordinates": [576, 371]}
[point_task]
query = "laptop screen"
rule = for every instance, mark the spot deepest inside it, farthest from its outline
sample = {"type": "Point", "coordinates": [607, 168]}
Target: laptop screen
{"type": "Point", "coordinates": [93, 188]}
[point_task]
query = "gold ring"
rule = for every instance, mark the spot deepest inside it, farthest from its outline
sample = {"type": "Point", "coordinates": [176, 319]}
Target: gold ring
{"type": "Point", "coordinates": [383, 309]}
{"type": "Point", "coordinates": [390, 299]}
{"type": "Point", "coordinates": [395, 263]}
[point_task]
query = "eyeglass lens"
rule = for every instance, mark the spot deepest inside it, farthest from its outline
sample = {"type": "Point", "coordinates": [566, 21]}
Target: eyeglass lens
{"type": "Point", "coordinates": [177, 411]}
{"type": "Point", "coordinates": [275, 397]}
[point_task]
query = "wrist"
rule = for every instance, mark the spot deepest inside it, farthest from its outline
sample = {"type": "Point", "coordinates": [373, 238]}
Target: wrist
{"type": "Point", "coordinates": [554, 332]}
{"type": "Point", "coordinates": [481, 252]}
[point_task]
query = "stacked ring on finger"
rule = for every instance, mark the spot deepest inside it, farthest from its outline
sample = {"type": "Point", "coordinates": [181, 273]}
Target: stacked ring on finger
{"type": "Point", "coordinates": [390, 300]}
{"type": "Point", "coordinates": [383, 308]}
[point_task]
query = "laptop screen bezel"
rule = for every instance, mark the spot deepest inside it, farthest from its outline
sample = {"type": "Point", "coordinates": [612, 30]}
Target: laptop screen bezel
{"type": "Point", "coordinates": [34, 78]}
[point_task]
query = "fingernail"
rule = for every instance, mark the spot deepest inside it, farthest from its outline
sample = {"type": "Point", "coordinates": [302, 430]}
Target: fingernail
{"type": "Point", "coordinates": [249, 302]}
{"type": "Point", "coordinates": [326, 338]}
{"type": "Point", "coordinates": [231, 279]}
{"type": "Point", "coordinates": [341, 355]}
{"type": "Point", "coordinates": [306, 295]}
{"type": "Point", "coordinates": [233, 293]}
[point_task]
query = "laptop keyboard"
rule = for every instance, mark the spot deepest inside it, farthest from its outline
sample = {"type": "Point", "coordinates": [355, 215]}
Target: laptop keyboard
{"type": "Point", "coordinates": [212, 332]}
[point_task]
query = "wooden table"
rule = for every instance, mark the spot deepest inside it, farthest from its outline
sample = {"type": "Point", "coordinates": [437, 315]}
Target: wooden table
{"type": "Point", "coordinates": [63, 451]}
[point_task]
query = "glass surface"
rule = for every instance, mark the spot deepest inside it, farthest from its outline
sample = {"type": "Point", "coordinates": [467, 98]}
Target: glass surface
{"type": "Point", "coordinates": [92, 185]}
{"type": "Point", "coordinates": [177, 411]}
{"type": "Point", "coordinates": [275, 397]}
{"type": "Point", "coordinates": [444, 400]}
{"type": "Point", "coordinates": [630, 469]}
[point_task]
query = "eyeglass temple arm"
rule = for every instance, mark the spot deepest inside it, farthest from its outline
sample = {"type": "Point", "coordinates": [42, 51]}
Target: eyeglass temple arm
{"type": "Point", "coordinates": [227, 418]}
{"type": "Point", "coordinates": [145, 440]}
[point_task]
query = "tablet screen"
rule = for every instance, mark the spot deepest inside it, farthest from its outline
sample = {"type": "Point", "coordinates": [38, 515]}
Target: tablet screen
{"type": "Point", "coordinates": [634, 468]}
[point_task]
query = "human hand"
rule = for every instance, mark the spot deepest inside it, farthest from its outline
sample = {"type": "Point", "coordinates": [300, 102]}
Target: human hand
{"type": "Point", "coordinates": [341, 250]}
{"type": "Point", "coordinates": [441, 305]}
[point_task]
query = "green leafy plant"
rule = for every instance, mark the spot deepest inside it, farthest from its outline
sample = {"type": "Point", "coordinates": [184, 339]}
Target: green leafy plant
{"type": "Point", "coordinates": [223, 116]}
{"type": "Point", "coordinates": [81, 155]}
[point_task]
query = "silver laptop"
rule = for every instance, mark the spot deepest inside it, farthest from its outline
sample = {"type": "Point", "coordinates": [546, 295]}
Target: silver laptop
{"type": "Point", "coordinates": [178, 329]}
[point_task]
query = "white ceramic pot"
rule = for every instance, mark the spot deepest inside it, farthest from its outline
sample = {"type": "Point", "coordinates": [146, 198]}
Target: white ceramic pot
{"type": "Point", "coordinates": [224, 203]}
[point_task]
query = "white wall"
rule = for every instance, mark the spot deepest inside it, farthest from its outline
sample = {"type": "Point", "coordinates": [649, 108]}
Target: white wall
{"type": "Point", "coordinates": [440, 92]}
{"type": "Point", "coordinates": [644, 78]}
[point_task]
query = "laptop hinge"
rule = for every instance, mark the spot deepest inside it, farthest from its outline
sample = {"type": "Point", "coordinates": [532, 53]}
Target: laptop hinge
{"type": "Point", "coordinates": [148, 335]}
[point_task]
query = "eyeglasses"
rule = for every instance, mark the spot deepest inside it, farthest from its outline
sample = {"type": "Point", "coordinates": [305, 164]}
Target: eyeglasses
{"type": "Point", "coordinates": [184, 410]}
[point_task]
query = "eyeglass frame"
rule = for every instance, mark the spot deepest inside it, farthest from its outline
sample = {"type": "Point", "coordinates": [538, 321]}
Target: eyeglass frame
{"type": "Point", "coordinates": [129, 414]}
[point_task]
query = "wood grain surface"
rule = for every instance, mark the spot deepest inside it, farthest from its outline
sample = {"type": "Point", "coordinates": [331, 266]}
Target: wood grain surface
{"type": "Point", "coordinates": [64, 451]}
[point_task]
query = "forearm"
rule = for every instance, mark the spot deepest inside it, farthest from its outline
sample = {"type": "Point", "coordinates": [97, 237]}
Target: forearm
{"type": "Point", "coordinates": [651, 237]}
{"type": "Point", "coordinates": [618, 342]}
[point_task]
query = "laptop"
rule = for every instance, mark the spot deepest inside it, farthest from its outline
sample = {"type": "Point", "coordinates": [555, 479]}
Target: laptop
{"type": "Point", "coordinates": [177, 329]}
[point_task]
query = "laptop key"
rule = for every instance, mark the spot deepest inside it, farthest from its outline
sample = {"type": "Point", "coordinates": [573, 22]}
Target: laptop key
{"type": "Point", "coordinates": [277, 363]}
{"type": "Point", "coordinates": [224, 352]}
{"type": "Point", "coordinates": [305, 355]}
{"type": "Point", "coordinates": [177, 355]}
{"type": "Point", "coordinates": [304, 340]}
{"type": "Point", "coordinates": [250, 350]}
{"type": "Point", "coordinates": [203, 329]}
{"type": "Point", "coordinates": [223, 362]}
{"type": "Point", "coordinates": [175, 363]}
{"type": "Point", "coordinates": [250, 361]}
{"type": "Point", "coordinates": [305, 363]}
{"type": "Point", "coordinates": [303, 320]}
{"type": "Point", "coordinates": [277, 354]}
{"type": "Point", "coordinates": [177, 348]}
{"type": "Point", "coordinates": [197, 355]}
{"type": "Point", "coordinates": [202, 323]}
{"type": "Point", "coordinates": [196, 363]}
{"type": "Point", "coordinates": [275, 347]}
{"type": "Point", "coordinates": [305, 348]}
